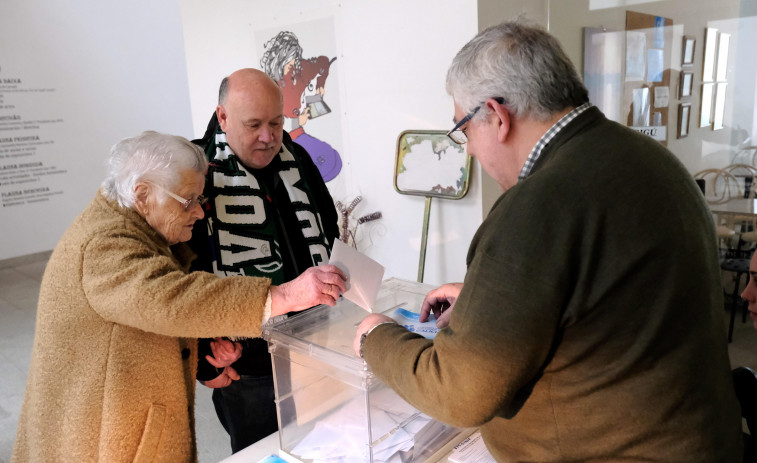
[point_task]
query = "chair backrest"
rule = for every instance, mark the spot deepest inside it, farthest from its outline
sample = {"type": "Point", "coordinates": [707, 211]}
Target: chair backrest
{"type": "Point", "coordinates": [746, 155]}
{"type": "Point", "coordinates": [746, 174]}
{"type": "Point", "coordinates": [720, 185]}
{"type": "Point", "coordinates": [741, 169]}
{"type": "Point", "coordinates": [735, 232]}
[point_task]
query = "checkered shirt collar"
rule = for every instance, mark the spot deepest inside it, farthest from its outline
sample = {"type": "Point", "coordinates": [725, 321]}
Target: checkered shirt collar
{"type": "Point", "coordinates": [548, 136]}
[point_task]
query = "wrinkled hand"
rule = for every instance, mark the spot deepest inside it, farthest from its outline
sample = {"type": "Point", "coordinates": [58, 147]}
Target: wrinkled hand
{"type": "Point", "coordinates": [224, 379]}
{"type": "Point", "coordinates": [316, 285]}
{"type": "Point", "coordinates": [225, 352]}
{"type": "Point", "coordinates": [440, 301]}
{"type": "Point", "coordinates": [368, 322]}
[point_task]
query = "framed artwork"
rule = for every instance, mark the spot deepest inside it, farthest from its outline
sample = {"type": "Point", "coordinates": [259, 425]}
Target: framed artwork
{"type": "Point", "coordinates": [705, 109]}
{"type": "Point", "coordinates": [429, 164]}
{"type": "Point", "coordinates": [684, 116]}
{"type": "Point", "coordinates": [710, 48]}
{"type": "Point", "coordinates": [685, 85]}
{"type": "Point", "coordinates": [722, 64]}
{"type": "Point", "coordinates": [687, 53]}
{"type": "Point", "coordinates": [719, 109]}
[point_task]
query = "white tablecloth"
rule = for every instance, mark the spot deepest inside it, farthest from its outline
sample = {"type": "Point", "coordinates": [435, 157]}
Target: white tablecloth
{"type": "Point", "coordinates": [257, 451]}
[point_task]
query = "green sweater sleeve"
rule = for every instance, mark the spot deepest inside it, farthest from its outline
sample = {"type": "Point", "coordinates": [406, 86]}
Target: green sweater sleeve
{"type": "Point", "coordinates": [500, 334]}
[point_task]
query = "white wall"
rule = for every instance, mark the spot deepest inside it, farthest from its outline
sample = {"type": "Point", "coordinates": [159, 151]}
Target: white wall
{"type": "Point", "coordinates": [120, 68]}
{"type": "Point", "coordinates": [392, 58]}
{"type": "Point", "coordinates": [116, 68]}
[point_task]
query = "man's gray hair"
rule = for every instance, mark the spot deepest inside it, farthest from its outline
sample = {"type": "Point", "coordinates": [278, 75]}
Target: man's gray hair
{"type": "Point", "coordinates": [151, 156]}
{"type": "Point", "coordinates": [223, 90]}
{"type": "Point", "coordinates": [521, 63]}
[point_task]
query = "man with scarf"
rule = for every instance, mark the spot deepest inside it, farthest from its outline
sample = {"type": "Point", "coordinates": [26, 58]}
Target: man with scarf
{"type": "Point", "coordinates": [269, 215]}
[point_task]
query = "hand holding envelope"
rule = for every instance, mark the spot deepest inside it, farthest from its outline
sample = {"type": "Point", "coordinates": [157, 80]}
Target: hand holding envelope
{"type": "Point", "coordinates": [364, 274]}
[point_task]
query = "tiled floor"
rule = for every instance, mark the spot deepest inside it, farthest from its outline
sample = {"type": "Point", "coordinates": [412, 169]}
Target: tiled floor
{"type": "Point", "coordinates": [19, 289]}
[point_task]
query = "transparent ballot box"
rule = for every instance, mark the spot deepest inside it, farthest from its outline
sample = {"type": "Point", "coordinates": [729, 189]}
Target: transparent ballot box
{"type": "Point", "coordinates": [330, 406]}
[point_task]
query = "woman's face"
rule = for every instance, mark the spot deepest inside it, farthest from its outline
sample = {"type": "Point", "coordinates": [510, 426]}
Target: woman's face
{"type": "Point", "coordinates": [169, 218]}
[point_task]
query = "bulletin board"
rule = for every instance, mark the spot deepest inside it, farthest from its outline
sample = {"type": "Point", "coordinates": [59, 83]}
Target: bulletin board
{"type": "Point", "coordinates": [646, 90]}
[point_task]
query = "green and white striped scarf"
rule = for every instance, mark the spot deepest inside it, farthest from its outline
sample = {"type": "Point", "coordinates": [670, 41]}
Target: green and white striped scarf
{"type": "Point", "coordinates": [241, 218]}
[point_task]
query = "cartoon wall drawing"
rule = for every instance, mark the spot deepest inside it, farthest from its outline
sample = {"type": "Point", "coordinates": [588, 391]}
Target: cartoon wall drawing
{"type": "Point", "coordinates": [302, 82]}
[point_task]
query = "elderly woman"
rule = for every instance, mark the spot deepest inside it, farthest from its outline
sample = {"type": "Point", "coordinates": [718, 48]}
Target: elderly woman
{"type": "Point", "coordinates": [112, 375]}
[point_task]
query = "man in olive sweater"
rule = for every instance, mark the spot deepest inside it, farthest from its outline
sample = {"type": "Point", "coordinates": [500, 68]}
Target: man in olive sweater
{"type": "Point", "coordinates": [589, 326]}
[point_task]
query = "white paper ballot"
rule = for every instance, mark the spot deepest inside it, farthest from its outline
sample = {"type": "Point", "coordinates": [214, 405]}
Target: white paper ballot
{"type": "Point", "coordinates": [340, 436]}
{"type": "Point", "coordinates": [364, 274]}
{"type": "Point", "coordinates": [471, 450]}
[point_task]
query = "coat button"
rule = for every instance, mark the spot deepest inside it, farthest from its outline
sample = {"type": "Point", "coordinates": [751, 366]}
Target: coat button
{"type": "Point", "coordinates": [185, 353]}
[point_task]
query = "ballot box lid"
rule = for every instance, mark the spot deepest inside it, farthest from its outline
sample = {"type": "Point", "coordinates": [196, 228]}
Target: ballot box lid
{"type": "Point", "coordinates": [326, 333]}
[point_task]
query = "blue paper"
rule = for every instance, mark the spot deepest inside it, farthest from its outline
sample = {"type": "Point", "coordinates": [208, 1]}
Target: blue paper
{"type": "Point", "coordinates": [655, 65]}
{"type": "Point", "coordinates": [659, 32]}
{"type": "Point", "coordinates": [411, 322]}
{"type": "Point", "coordinates": [273, 459]}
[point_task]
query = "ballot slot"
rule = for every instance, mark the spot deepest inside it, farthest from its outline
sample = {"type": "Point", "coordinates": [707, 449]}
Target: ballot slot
{"type": "Point", "coordinates": [330, 405]}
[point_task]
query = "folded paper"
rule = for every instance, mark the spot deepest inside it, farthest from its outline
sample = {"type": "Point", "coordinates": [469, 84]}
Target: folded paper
{"type": "Point", "coordinates": [363, 273]}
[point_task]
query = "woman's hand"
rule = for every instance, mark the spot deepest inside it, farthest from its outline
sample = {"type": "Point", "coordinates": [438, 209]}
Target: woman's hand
{"type": "Point", "coordinates": [317, 285]}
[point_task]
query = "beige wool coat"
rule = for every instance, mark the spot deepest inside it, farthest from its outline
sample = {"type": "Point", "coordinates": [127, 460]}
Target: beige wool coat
{"type": "Point", "coordinates": [112, 375]}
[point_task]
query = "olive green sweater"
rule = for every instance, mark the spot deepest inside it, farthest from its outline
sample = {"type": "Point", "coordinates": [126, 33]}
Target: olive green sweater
{"type": "Point", "coordinates": [590, 326]}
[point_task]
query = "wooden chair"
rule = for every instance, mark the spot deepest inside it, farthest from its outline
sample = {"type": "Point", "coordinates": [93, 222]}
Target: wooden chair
{"type": "Point", "coordinates": [720, 185]}
{"type": "Point", "coordinates": [746, 174]}
{"type": "Point", "coordinates": [737, 238]}
{"type": "Point", "coordinates": [746, 155]}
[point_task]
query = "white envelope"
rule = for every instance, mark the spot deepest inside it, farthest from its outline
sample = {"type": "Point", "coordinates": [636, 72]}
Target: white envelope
{"type": "Point", "coordinates": [364, 274]}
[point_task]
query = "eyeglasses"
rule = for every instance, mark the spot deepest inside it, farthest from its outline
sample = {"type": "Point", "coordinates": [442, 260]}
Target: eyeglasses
{"type": "Point", "coordinates": [457, 134]}
{"type": "Point", "coordinates": [187, 203]}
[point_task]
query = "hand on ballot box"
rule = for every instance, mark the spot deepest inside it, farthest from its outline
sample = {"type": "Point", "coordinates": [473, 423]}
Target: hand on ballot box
{"type": "Point", "coordinates": [317, 285]}
{"type": "Point", "coordinates": [440, 301]}
{"type": "Point", "coordinates": [365, 327]}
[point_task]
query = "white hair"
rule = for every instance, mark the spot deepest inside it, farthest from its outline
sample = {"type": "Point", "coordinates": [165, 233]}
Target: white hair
{"type": "Point", "coordinates": [524, 65]}
{"type": "Point", "coordinates": [151, 156]}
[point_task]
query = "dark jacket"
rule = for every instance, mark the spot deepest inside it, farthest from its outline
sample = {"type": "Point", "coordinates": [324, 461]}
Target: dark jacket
{"type": "Point", "coordinates": [255, 358]}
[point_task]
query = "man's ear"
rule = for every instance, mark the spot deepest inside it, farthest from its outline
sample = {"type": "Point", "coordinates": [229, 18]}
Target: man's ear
{"type": "Point", "coordinates": [501, 117]}
{"type": "Point", "coordinates": [222, 117]}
